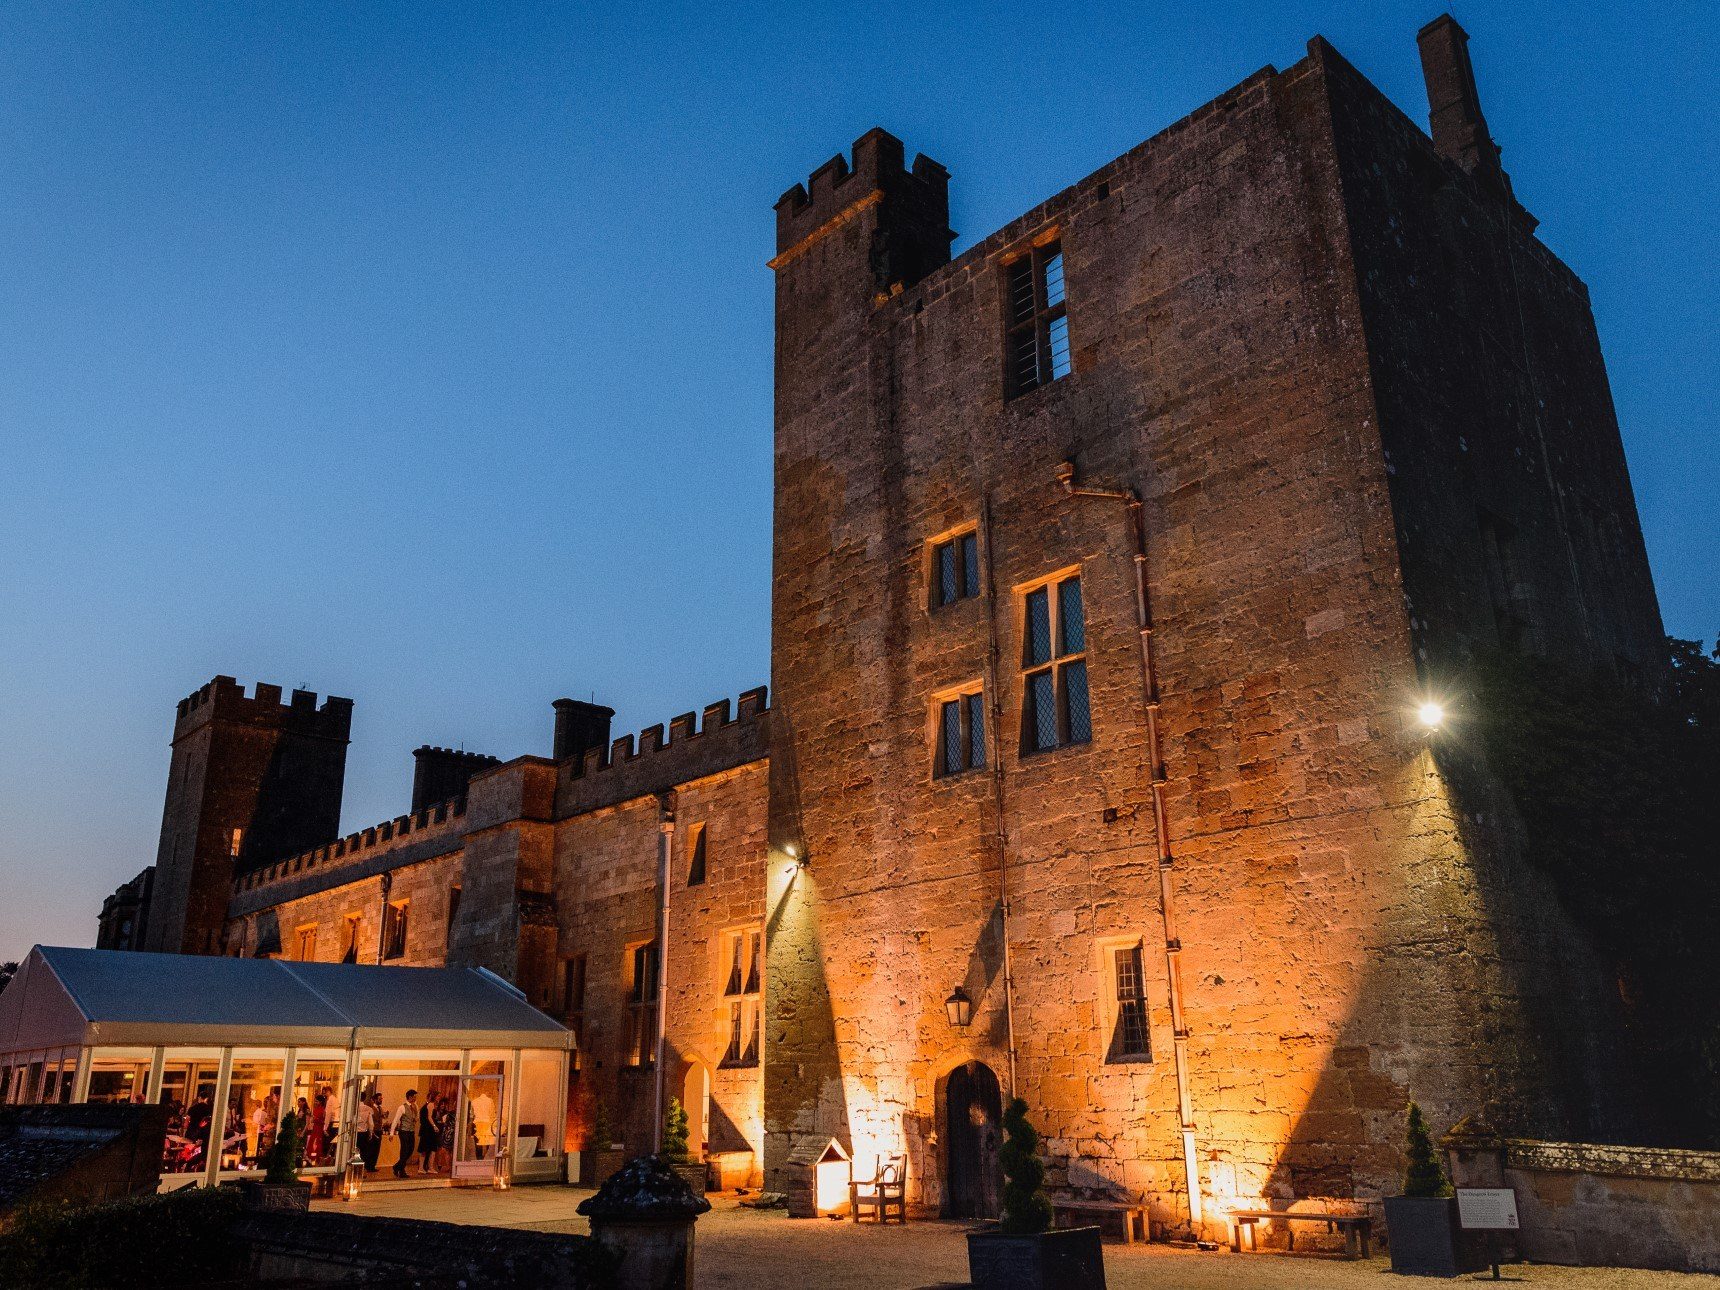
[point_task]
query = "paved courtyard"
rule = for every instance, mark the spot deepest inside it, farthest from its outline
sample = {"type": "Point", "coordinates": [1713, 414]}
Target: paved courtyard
{"type": "Point", "coordinates": [764, 1249]}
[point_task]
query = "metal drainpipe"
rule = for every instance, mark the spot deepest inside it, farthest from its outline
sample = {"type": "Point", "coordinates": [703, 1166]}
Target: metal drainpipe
{"type": "Point", "coordinates": [995, 716]}
{"type": "Point", "coordinates": [1167, 892]}
{"type": "Point", "coordinates": [665, 839]}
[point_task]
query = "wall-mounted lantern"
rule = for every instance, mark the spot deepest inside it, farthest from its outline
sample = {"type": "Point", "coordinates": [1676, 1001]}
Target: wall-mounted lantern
{"type": "Point", "coordinates": [959, 1007]}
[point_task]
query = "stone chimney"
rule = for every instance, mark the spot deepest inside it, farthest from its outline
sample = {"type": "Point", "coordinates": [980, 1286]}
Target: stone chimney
{"type": "Point", "coordinates": [579, 727]}
{"type": "Point", "coordinates": [1455, 121]}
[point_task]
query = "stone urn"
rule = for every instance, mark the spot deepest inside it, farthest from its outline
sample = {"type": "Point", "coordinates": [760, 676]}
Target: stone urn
{"type": "Point", "coordinates": [644, 1215]}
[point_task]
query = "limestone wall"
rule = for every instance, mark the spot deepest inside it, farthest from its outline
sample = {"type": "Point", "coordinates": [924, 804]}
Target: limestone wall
{"type": "Point", "coordinates": [1341, 940]}
{"type": "Point", "coordinates": [1589, 1205]}
{"type": "Point", "coordinates": [606, 902]}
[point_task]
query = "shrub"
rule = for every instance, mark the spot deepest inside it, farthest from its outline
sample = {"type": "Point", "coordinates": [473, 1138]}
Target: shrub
{"type": "Point", "coordinates": [282, 1161]}
{"type": "Point", "coordinates": [178, 1239]}
{"type": "Point", "coordinates": [1026, 1208]}
{"type": "Point", "coordinates": [1424, 1176]}
{"type": "Point", "coordinates": [675, 1133]}
{"type": "Point", "coordinates": [601, 1135]}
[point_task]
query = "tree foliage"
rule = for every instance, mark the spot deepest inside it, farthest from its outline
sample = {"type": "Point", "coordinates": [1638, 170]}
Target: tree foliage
{"type": "Point", "coordinates": [1423, 1175]}
{"type": "Point", "coordinates": [282, 1160]}
{"type": "Point", "coordinates": [675, 1133]}
{"type": "Point", "coordinates": [601, 1135]}
{"type": "Point", "coordinates": [1619, 791]}
{"type": "Point", "coordinates": [1026, 1208]}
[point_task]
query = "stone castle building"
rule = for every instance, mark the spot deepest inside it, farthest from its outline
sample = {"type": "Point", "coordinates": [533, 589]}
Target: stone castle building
{"type": "Point", "coordinates": [1113, 558]}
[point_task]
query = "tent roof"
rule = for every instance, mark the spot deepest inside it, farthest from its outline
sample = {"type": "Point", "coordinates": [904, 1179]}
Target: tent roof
{"type": "Point", "coordinates": [64, 997]}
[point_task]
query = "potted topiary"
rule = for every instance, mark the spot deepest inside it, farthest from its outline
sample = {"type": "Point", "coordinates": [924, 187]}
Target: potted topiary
{"type": "Point", "coordinates": [280, 1187]}
{"type": "Point", "coordinates": [1421, 1224]}
{"type": "Point", "coordinates": [1024, 1252]}
{"type": "Point", "coordinates": [605, 1154]}
{"type": "Point", "coordinates": [675, 1152]}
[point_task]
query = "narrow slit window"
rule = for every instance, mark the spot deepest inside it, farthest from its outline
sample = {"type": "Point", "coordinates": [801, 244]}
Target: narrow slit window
{"type": "Point", "coordinates": [696, 856]}
{"type": "Point", "coordinates": [394, 930]}
{"type": "Point", "coordinates": [1036, 320]}
{"type": "Point", "coordinates": [1056, 709]}
{"type": "Point", "coordinates": [1129, 1037]}
{"type": "Point", "coordinates": [642, 1007]}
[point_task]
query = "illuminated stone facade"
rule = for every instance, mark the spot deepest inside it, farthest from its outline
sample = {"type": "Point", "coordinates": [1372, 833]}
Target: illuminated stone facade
{"type": "Point", "coordinates": [1367, 419]}
{"type": "Point", "coordinates": [1112, 559]}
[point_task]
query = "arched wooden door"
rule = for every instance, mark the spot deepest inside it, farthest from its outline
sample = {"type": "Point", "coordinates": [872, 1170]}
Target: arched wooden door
{"type": "Point", "coordinates": [973, 1108]}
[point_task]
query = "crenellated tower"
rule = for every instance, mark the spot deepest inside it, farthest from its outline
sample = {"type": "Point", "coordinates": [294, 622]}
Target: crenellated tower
{"type": "Point", "coordinates": [252, 779]}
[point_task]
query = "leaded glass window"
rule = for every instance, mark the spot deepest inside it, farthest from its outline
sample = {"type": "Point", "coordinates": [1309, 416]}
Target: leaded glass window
{"type": "Point", "coordinates": [960, 733]}
{"type": "Point", "coordinates": [1055, 703]}
{"type": "Point", "coordinates": [1036, 320]}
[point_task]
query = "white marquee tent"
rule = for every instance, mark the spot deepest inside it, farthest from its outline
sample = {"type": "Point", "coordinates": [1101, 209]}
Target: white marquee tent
{"type": "Point", "coordinates": [233, 1043]}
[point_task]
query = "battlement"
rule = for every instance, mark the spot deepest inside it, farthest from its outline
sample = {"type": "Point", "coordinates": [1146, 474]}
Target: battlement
{"type": "Point", "coordinates": [224, 699]}
{"type": "Point", "coordinates": [422, 824]}
{"type": "Point", "coordinates": [697, 744]}
{"type": "Point", "coordinates": [877, 174]}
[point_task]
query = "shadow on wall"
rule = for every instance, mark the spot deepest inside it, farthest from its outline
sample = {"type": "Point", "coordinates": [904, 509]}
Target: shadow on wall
{"type": "Point", "coordinates": [803, 1093]}
{"type": "Point", "coordinates": [1444, 1010]}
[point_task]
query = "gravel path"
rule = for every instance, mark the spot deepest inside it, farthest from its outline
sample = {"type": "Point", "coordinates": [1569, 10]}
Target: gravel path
{"type": "Point", "coordinates": [765, 1250]}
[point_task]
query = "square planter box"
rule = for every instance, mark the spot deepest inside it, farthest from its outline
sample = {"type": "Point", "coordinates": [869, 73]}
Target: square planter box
{"type": "Point", "coordinates": [693, 1173]}
{"type": "Point", "coordinates": [266, 1197]}
{"type": "Point", "coordinates": [1425, 1240]}
{"type": "Point", "coordinates": [1065, 1258]}
{"type": "Point", "coordinates": [596, 1164]}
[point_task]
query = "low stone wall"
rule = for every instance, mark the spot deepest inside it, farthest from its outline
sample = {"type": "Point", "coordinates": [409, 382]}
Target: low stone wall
{"type": "Point", "coordinates": [84, 1154]}
{"type": "Point", "coordinates": [321, 1247]}
{"type": "Point", "coordinates": [1589, 1205]}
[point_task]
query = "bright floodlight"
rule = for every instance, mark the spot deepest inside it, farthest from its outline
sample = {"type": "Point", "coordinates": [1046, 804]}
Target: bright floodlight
{"type": "Point", "coordinates": [1432, 715]}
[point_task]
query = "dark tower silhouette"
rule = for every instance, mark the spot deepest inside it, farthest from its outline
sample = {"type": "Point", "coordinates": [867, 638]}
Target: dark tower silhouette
{"type": "Point", "coordinates": [579, 727]}
{"type": "Point", "coordinates": [439, 774]}
{"type": "Point", "coordinates": [252, 779]}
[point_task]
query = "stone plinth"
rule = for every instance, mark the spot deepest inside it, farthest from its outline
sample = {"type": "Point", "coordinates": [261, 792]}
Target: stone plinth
{"type": "Point", "coordinates": [644, 1215]}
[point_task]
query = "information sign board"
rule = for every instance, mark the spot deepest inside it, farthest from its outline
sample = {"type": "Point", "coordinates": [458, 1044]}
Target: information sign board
{"type": "Point", "coordinates": [1487, 1209]}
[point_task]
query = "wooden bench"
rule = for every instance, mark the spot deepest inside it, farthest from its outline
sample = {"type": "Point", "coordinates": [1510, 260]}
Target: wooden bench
{"type": "Point", "coordinates": [1103, 1213]}
{"type": "Point", "coordinates": [1357, 1228]}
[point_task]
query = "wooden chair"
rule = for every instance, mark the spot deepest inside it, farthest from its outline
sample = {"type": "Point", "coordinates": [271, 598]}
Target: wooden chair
{"type": "Point", "coordinates": [886, 1192]}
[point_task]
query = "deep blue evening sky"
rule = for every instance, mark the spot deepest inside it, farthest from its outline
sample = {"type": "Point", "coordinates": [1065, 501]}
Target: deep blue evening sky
{"type": "Point", "coordinates": [423, 355]}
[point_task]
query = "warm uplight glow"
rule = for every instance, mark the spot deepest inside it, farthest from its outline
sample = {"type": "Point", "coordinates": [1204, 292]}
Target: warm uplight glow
{"type": "Point", "coordinates": [830, 1182]}
{"type": "Point", "coordinates": [1431, 714]}
{"type": "Point", "coordinates": [354, 1180]}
